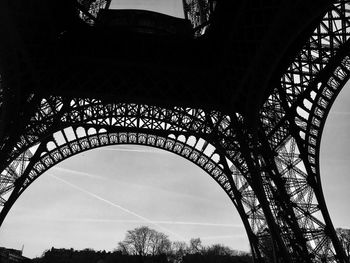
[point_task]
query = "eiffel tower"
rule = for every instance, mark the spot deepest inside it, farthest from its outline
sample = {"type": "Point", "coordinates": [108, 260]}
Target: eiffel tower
{"type": "Point", "coordinates": [240, 88]}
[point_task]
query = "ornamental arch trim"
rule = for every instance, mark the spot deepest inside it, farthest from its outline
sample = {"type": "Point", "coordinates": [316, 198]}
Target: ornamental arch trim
{"type": "Point", "coordinates": [70, 141]}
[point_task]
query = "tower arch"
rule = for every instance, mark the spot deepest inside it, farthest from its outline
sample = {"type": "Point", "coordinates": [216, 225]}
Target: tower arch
{"type": "Point", "coordinates": [71, 141]}
{"type": "Point", "coordinates": [276, 161]}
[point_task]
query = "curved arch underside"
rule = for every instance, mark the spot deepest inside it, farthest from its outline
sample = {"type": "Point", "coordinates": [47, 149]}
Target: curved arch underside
{"type": "Point", "coordinates": [270, 172]}
{"type": "Point", "coordinates": [89, 124]}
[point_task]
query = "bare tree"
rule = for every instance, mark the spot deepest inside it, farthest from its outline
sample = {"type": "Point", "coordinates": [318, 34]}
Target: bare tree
{"type": "Point", "coordinates": [178, 250]}
{"type": "Point", "coordinates": [160, 244]}
{"type": "Point", "coordinates": [143, 241]}
{"type": "Point", "coordinates": [219, 250]}
{"type": "Point", "coordinates": [123, 249]}
{"type": "Point", "coordinates": [196, 246]}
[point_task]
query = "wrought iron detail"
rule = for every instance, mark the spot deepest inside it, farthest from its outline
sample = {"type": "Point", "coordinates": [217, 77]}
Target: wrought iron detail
{"type": "Point", "coordinates": [269, 171]}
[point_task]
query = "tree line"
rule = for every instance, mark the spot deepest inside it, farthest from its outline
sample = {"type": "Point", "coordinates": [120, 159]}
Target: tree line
{"type": "Point", "coordinates": [146, 245]}
{"type": "Point", "coordinates": [144, 241]}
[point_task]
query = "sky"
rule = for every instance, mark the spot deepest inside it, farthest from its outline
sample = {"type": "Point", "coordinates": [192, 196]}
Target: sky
{"type": "Point", "coordinates": [335, 159]}
{"type": "Point", "coordinates": [170, 7]}
{"type": "Point", "coordinates": [92, 199]}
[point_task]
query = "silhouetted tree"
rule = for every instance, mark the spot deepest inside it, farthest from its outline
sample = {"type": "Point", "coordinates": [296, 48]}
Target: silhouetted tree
{"type": "Point", "coordinates": [196, 246]}
{"type": "Point", "coordinates": [219, 250]}
{"type": "Point", "coordinates": [143, 241]}
{"type": "Point", "coordinates": [178, 250]}
{"type": "Point", "coordinates": [216, 253]}
{"type": "Point", "coordinates": [145, 245]}
{"type": "Point", "coordinates": [160, 244]}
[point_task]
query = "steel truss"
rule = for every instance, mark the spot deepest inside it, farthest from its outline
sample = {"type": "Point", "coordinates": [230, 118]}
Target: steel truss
{"type": "Point", "coordinates": [270, 171]}
{"type": "Point", "coordinates": [62, 128]}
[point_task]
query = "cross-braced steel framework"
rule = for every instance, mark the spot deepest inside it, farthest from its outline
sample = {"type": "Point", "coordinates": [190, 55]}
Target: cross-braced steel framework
{"type": "Point", "coordinates": [270, 171]}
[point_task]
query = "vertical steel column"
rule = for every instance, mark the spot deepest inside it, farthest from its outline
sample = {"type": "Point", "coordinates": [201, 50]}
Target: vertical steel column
{"type": "Point", "coordinates": [248, 143]}
{"type": "Point", "coordinates": [239, 206]}
{"type": "Point", "coordinates": [298, 243]}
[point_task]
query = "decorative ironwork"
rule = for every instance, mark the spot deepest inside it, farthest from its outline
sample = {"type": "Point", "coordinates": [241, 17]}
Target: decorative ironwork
{"type": "Point", "coordinates": [60, 130]}
{"type": "Point", "coordinates": [199, 12]}
{"type": "Point", "coordinates": [269, 171]}
{"type": "Point", "coordinates": [293, 129]}
{"type": "Point", "coordinates": [88, 9]}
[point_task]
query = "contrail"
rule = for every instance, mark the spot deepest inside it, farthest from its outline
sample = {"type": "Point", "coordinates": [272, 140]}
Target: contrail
{"type": "Point", "coordinates": [61, 169]}
{"type": "Point", "coordinates": [117, 206]}
{"type": "Point", "coordinates": [222, 237]}
{"type": "Point", "coordinates": [198, 224]}
{"type": "Point", "coordinates": [154, 221]}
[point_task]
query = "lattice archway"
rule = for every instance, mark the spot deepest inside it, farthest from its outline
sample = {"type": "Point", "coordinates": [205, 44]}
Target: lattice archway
{"type": "Point", "coordinates": [46, 152]}
{"type": "Point", "coordinates": [60, 125]}
{"type": "Point", "coordinates": [283, 152]}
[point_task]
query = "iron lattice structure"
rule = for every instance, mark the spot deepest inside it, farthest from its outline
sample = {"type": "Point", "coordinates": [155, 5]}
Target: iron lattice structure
{"type": "Point", "coordinates": [268, 167]}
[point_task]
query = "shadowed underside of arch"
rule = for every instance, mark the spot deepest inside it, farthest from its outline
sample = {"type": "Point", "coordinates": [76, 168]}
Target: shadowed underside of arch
{"type": "Point", "coordinates": [72, 140]}
{"type": "Point", "coordinates": [270, 171]}
{"type": "Point", "coordinates": [65, 127]}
